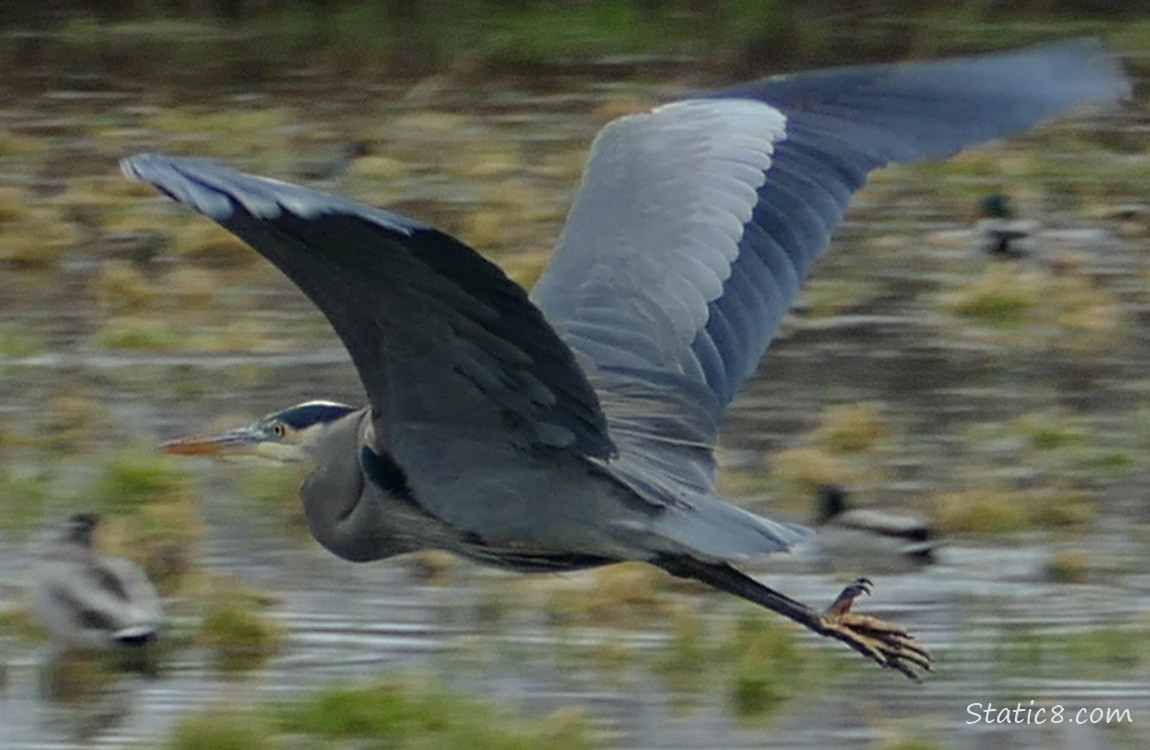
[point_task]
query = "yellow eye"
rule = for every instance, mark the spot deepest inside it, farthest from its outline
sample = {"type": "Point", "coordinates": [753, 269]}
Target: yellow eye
{"type": "Point", "coordinates": [279, 430]}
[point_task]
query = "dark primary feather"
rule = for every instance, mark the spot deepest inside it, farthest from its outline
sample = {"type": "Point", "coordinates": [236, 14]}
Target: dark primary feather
{"type": "Point", "coordinates": [400, 294]}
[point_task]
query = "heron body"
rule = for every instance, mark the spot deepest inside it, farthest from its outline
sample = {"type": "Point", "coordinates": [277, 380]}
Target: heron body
{"type": "Point", "coordinates": [576, 427]}
{"type": "Point", "coordinates": [87, 600]}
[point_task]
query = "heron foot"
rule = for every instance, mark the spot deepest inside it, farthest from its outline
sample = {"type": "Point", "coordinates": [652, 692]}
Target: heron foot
{"type": "Point", "coordinates": [889, 645]}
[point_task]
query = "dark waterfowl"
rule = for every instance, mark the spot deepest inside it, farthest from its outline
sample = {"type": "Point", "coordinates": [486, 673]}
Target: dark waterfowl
{"type": "Point", "coordinates": [575, 427]}
{"type": "Point", "coordinates": [998, 233]}
{"type": "Point", "coordinates": [328, 169]}
{"type": "Point", "coordinates": [84, 599]}
{"type": "Point", "coordinates": [883, 541]}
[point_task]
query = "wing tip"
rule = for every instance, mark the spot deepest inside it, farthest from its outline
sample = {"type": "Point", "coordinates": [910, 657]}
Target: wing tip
{"type": "Point", "coordinates": [185, 180]}
{"type": "Point", "coordinates": [218, 192]}
{"type": "Point", "coordinates": [1100, 70]}
{"type": "Point", "coordinates": [146, 166]}
{"type": "Point", "coordinates": [1087, 71]}
{"type": "Point", "coordinates": [128, 166]}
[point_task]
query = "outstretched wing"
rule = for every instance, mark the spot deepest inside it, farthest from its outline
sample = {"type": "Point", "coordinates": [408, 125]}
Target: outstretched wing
{"type": "Point", "coordinates": [697, 223]}
{"type": "Point", "coordinates": [445, 344]}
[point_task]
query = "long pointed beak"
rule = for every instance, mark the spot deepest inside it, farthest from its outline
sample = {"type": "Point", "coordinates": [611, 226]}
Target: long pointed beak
{"type": "Point", "coordinates": [240, 441]}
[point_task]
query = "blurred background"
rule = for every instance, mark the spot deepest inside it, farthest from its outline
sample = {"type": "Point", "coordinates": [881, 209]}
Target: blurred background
{"type": "Point", "coordinates": [1002, 399]}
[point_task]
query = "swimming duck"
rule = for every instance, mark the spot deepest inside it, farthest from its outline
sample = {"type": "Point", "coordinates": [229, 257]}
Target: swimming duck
{"type": "Point", "coordinates": [84, 599]}
{"type": "Point", "coordinates": [899, 542]}
{"type": "Point", "coordinates": [998, 233]}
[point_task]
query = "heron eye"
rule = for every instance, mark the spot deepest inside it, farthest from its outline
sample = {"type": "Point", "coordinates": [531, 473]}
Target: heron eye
{"type": "Point", "coordinates": [279, 430]}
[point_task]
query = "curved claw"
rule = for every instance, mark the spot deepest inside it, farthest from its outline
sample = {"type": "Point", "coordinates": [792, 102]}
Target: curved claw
{"type": "Point", "coordinates": [842, 604]}
{"type": "Point", "coordinates": [889, 645]}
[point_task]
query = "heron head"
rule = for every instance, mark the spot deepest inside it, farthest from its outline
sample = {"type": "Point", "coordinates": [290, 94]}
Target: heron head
{"type": "Point", "coordinates": [281, 437]}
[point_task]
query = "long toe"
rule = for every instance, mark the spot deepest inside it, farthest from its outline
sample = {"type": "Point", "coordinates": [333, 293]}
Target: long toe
{"type": "Point", "coordinates": [888, 645]}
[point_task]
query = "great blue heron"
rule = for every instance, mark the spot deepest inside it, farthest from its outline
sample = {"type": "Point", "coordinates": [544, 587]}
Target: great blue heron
{"type": "Point", "coordinates": [87, 600]}
{"type": "Point", "coordinates": [575, 427]}
{"type": "Point", "coordinates": [881, 540]}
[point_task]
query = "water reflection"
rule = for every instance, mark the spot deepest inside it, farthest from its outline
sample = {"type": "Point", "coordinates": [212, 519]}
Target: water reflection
{"type": "Point", "coordinates": [84, 696]}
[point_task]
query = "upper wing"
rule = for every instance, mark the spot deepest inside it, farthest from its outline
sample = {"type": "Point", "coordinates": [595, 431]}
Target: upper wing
{"type": "Point", "coordinates": [445, 344]}
{"type": "Point", "coordinates": [697, 222]}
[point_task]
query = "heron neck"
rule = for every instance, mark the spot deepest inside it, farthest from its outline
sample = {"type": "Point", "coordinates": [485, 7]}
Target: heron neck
{"type": "Point", "coordinates": [348, 513]}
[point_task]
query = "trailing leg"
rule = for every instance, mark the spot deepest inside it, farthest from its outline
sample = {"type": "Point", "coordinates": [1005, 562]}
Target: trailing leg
{"type": "Point", "coordinates": [888, 645]}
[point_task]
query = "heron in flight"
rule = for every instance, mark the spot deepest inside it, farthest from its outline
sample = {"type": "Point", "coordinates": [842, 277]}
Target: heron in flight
{"type": "Point", "coordinates": [575, 426]}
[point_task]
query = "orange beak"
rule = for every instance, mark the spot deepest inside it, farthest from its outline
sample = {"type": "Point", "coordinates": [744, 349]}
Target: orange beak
{"type": "Point", "coordinates": [238, 441]}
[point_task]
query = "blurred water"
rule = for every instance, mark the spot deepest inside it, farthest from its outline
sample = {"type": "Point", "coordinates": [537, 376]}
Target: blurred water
{"type": "Point", "coordinates": [346, 621]}
{"type": "Point", "coordinates": [359, 621]}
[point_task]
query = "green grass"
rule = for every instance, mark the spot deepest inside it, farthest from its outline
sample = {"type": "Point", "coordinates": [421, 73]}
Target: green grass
{"type": "Point", "coordinates": [70, 420]}
{"type": "Point", "coordinates": [239, 634]}
{"type": "Point", "coordinates": [36, 232]}
{"type": "Point", "coordinates": [133, 477]}
{"type": "Point", "coordinates": [531, 33]}
{"type": "Point", "coordinates": [688, 655]}
{"type": "Point", "coordinates": [910, 743]}
{"type": "Point", "coordinates": [140, 333]}
{"type": "Point", "coordinates": [1106, 647]}
{"type": "Point", "coordinates": [273, 490]}
{"type": "Point", "coordinates": [420, 715]}
{"type": "Point", "coordinates": [162, 536]}
{"type": "Point", "coordinates": [1045, 431]}
{"type": "Point", "coordinates": [984, 509]}
{"type": "Point", "coordinates": [1055, 307]}
{"type": "Point", "coordinates": [1133, 37]}
{"type": "Point", "coordinates": [151, 513]}
{"type": "Point", "coordinates": [622, 595]}
{"type": "Point", "coordinates": [78, 677]}
{"type": "Point", "coordinates": [18, 144]}
{"type": "Point", "coordinates": [255, 135]}
{"type": "Point", "coordinates": [851, 428]}
{"type": "Point", "coordinates": [1000, 298]}
{"type": "Point", "coordinates": [995, 508]}
{"type": "Point", "coordinates": [799, 471]}
{"type": "Point", "coordinates": [223, 729]}
{"type": "Point", "coordinates": [24, 499]}
{"type": "Point", "coordinates": [170, 332]}
{"type": "Point", "coordinates": [1068, 566]}
{"type": "Point", "coordinates": [366, 37]}
{"type": "Point", "coordinates": [16, 621]}
{"type": "Point", "coordinates": [768, 666]}
{"type": "Point", "coordinates": [1096, 653]}
{"type": "Point", "coordinates": [15, 343]}
{"type": "Point", "coordinates": [1108, 462]}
